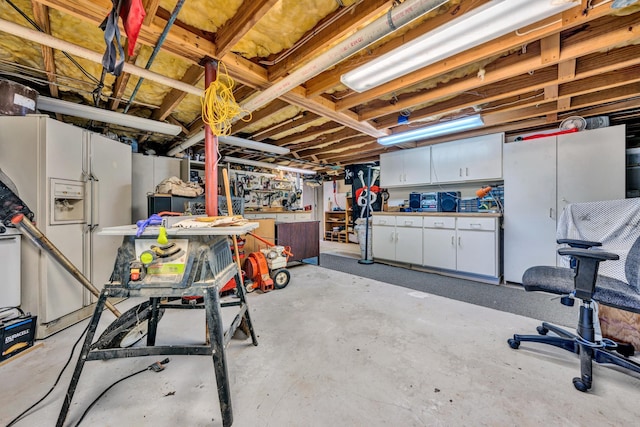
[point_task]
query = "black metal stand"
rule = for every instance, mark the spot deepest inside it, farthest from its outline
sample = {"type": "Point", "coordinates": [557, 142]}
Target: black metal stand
{"type": "Point", "coordinates": [217, 337]}
{"type": "Point", "coordinates": [366, 259]}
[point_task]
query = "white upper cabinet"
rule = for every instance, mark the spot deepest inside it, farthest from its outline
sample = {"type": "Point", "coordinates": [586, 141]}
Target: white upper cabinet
{"type": "Point", "coordinates": [405, 167]}
{"type": "Point", "coordinates": [471, 159]}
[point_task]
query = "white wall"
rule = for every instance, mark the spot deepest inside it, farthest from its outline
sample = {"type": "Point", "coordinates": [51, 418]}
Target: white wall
{"type": "Point", "coordinates": [340, 199]}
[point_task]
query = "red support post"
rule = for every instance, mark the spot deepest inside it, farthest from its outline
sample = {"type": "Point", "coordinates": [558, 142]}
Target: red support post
{"type": "Point", "coordinates": [210, 152]}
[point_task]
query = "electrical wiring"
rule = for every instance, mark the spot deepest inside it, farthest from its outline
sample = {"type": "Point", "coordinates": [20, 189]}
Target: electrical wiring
{"type": "Point", "coordinates": [156, 367]}
{"type": "Point", "coordinates": [219, 106]}
{"type": "Point", "coordinates": [22, 414]}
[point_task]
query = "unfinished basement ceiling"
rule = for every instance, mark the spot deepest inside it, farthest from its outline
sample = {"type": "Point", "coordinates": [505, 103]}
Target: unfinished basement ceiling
{"type": "Point", "coordinates": [585, 61]}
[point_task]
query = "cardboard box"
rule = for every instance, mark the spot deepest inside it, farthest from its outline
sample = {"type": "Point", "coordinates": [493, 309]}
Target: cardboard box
{"type": "Point", "coordinates": [266, 230]}
{"type": "Point", "coordinates": [17, 335]}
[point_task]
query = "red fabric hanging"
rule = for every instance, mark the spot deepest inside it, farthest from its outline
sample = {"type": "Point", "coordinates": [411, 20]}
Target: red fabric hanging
{"type": "Point", "coordinates": [132, 13]}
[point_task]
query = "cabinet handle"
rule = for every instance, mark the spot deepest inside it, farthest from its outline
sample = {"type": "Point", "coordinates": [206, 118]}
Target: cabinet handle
{"type": "Point", "coordinates": [551, 213]}
{"type": "Point", "coordinates": [459, 241]}
{"type": "Point", "coordinates": [396, 237]}
{"type": "Point", "coordinates": [392, 233]}
{"type": "Point", "coordinates": [467, 171]}
{"type": "Point", "coordinates": [452, 240]}
{"type": "Point", "coordinates": [400, 177]}
{"type": "Point", "coordinates": [408, 223]}
{"type": "Point", "coordinates": [460, 171]}
{"type": "Point", "coordinates": [438, 224]}
{"type": "Point", "coordinates": [475, 225]}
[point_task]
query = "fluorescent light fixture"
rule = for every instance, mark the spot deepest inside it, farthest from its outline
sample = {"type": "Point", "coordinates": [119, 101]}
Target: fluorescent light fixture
{"type": "Point", "coordinates": [619, 4]}
{"type": "Point", "coordinates": [92, 113]}
{"type": "Point", "coordinates": [484, 23]}
{"type": "Point", "coordinates": [443, 128]}
{"type": "Point", "coordinates": [253, 145]}
{"type": "Point", "coordinates": [230, 140]}
{"type": "Point", "coordinates": [266, 165]}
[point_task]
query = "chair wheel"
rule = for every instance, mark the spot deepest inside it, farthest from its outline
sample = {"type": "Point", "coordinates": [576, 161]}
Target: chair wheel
{"type": "Point", "coordinates": [627, 350]}
{"type": "Point", "coordinates": [513, 343]}
{"type": "Point", "coordinates": [542, 330]}
{"type": "Point", "coordinates": [580, 385]}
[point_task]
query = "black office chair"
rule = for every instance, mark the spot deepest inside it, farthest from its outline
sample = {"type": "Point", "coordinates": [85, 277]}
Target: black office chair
{"type": "Point", "coordinates": [583, 282]}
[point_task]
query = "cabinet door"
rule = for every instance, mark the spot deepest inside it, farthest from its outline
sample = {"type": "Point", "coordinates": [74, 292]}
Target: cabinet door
{"type": "Point", "coordinates": [439, 248]}
{"type": "Point", "coordinates": [439, 242]}
{"type": "Point", "coordinates": [446, 163]}
{"type": "Point", "coordinates": [482, 158]}
{"type": "Point", "coordinates": [591, 166]}
{"type": "Point", "coordinates": [529, 206]}
{"type": "Point", "coordinates": [165, 167]}
{"type": "Point", "coordinates": [417, 166]}
{"type": "Point", "coordinates": [409, 239]}
{"type": "Point", "coordinates": [476, 252]}
{"type": "Point", "coordinates": [383, 242]}
{"type": "Point", "coordinates": [391, 169]}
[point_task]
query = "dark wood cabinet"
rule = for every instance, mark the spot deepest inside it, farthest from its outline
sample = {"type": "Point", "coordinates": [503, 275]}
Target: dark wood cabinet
{"type": "Point", "coordinates": [303, 237]}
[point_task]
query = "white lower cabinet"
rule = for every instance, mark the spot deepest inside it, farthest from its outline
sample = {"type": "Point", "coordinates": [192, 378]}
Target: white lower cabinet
{"type": "Point", "coordinates": [464, 244]}
{"type": "Point", "coordinates": [439, 242]}
{"type": "Point", "coordinates": [477, 246]}
{"type": "Point", "coordinates": [397, 238]}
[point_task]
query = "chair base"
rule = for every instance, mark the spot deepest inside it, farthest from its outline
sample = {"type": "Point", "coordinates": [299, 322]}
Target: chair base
{"type": "Point", "coordinates": [600, 352]}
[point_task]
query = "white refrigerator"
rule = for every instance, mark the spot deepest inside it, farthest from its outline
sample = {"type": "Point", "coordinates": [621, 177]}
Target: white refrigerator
{"type": "Point", "coordinates": [76, 182]}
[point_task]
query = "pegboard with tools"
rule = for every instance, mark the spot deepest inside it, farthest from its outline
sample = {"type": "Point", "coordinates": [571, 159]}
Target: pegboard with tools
{"type": "Point", "coordinates": [267, 191]}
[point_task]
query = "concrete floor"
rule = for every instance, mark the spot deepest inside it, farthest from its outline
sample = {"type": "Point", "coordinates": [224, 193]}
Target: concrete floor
{"type": "Point", "coordinates": [335, 350]}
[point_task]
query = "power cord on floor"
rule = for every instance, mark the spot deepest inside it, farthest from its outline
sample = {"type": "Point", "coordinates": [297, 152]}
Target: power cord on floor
{"type": "Point", "coordinates": [155, 367]}
{"type": "Point", "coordinates": [19, 417]}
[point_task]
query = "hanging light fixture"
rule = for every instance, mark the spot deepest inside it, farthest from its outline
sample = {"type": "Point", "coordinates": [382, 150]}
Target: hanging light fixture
{"type": "Point", "coordinates": [619, 4]}
{"type": "Point", "coordinates": [443, 128]}
{"type": "Point", "coordinates": [92, 113]}
{"type": "Point", "coordinates": [485, 23]}
{"type": "Point", "coordinates": [266, 165]}
{"type": "Point", "coordinates": [231, 140]}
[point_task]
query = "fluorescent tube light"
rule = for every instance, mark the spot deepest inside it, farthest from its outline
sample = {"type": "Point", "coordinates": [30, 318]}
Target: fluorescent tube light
{"type": "Point", "coordinates": [230, 140]}
{"type": "Point", "coordinates": [266, 165]}
{"type": "Point", "coordinates": [92, 113]}
{"type": "Point", "coordinates": [443, 128]}
{"type": "Point", "coordinates": [619, 4]}
{"type": "Point", "coordinates": [254, 145]}
{"type": "Point", "coordinates": [485, 23]}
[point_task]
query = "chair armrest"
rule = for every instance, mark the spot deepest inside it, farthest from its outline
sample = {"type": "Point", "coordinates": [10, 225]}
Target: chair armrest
{"type": "Point", "coordinates": [582, 244]}
{"type": "Point", "coordinates": [586, 271]}
{"type": "Point", "coordinates": [585, 253]}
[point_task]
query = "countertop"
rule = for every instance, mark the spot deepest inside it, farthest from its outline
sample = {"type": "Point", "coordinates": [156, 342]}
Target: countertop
{"type": "Point", "coordinates": [458, 214]}
{"type": "Point", "coordinates": [246, 211]}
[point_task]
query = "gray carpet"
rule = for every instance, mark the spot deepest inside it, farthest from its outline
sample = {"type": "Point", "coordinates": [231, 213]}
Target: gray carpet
{"type": "Point", "coordinates": [511, 299]}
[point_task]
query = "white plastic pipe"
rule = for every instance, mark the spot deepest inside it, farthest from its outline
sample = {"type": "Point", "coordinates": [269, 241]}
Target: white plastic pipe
{"type": "Point", "coordinates": [50, 41]}
{"type": "Point", "coordinates": [381, 27]}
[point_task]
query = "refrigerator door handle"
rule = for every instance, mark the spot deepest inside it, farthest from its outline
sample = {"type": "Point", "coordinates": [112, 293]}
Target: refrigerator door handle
{"type": "Point", "coordinates": [95, 202]}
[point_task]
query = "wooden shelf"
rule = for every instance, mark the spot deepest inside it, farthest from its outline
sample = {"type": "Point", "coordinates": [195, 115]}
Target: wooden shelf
{"type": "Point", "coordinates": [338, 225]}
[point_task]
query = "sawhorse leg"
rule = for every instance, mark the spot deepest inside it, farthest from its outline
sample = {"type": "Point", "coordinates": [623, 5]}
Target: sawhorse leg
{"type": "Point", "coordinates": [93, 325]}
{"type": "Point", "coordinates": [216, 335]}
{"type": "Point", "coordinates": [242, 294]}
{"type": "Point", "coordinates": [153, 321]}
